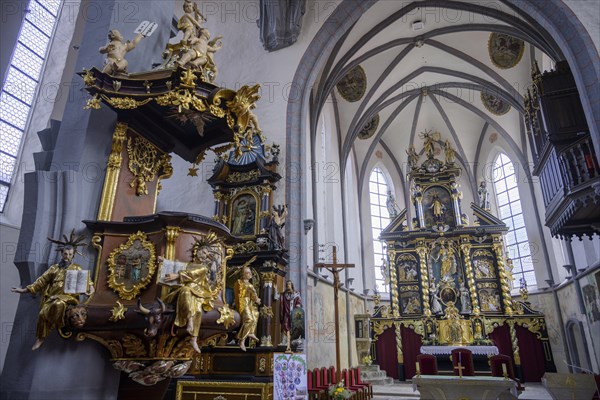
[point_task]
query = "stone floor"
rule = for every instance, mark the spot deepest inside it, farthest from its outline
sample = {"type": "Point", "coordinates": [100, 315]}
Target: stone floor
{"type": "Point", "coordinates": [399, 391]}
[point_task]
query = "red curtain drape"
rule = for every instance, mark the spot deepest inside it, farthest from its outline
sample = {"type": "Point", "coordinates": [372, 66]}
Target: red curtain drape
{"type": "Point", "coordinates": [532, 355]}
{"type": "Point", "coordinates": [411, 348]}
{"type": "Point", "coordinates": [387, 355]}
{"type": "Point", "coordinates": [501, 338]}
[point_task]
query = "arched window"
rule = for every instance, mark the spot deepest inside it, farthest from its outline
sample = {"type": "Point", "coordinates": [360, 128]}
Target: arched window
{"type": "Point", "coordinates": [511, 213]}
{"type": "Point", "coordinates": [380, 218]}
{"type": "Point", "coordinates": [20, 87]}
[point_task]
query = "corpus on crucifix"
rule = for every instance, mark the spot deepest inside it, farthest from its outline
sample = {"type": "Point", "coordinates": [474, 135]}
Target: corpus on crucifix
{"type": "Point", "coordinates": [335, 269]}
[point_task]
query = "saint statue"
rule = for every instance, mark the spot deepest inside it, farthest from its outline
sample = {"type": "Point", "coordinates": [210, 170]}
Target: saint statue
{"type": "Point", "coordinates": [437, 207]}
{"type": "Point", "coordinates": [192, 297]}
{"type": "Point", "coordinates": [413, 157]}
{"type": "Point", "coordinates": [465, 300]}
{"type": "Point", "coordinates": [290, 299]}
{"type": "Point", "coordinates": [391, 205]}
{"type": "Point", "coordinates": [484, 196]}
{"type": "Point", "coordinates": [247, 302]}
{"type": "Point", "coordinates": [449, 152]}
{"type": "Point", "coordinates": [276, 224]}
{"type": "Point", "coordinates": [52, 284]}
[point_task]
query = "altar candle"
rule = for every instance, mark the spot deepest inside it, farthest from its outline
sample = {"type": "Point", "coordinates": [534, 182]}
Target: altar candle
{"type": "Point", "coordinates": [504, 370]}
{"type": "Point", "coordinates": [418, 368]}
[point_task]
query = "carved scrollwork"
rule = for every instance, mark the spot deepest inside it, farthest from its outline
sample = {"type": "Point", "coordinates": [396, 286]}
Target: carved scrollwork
{"type": "Point", "coordinates": [239, 177]}
{"type": "Point", "coordinates": [145, 160]}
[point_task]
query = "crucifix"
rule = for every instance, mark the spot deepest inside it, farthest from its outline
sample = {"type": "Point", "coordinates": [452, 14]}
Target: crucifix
{"type": "Point", "coordinates": [335, 269]}
{"type": "Point", "coordinates": [460, 369]}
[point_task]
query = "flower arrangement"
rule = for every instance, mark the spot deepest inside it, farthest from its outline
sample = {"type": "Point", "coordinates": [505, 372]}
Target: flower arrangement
{"type": "Point", "coordinates": [339, 391]}
{"type": "Point", "coordinates": [367, 360]}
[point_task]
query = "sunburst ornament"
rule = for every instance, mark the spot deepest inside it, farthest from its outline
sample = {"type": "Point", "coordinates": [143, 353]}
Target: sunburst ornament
{"type": "Point", "coordinates": [72, 241]}
{"type": "Point", "coordinates": [193, 171]}
{"type": "Point", "coordinates": [118, 312]}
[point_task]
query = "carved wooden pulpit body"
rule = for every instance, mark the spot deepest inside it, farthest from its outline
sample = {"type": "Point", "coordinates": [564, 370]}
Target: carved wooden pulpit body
{"type": "Point", "coordinates": [136, 311]}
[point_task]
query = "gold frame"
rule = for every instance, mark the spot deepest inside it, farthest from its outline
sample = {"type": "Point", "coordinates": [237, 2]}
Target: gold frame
{"type": "Point", "coordinates": [120, 289]}
{"type": "Point", "coordinates": [257, 213]}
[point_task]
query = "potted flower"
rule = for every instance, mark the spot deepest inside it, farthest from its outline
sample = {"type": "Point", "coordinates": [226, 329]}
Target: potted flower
{"type": "Point", "coordinates": [367, 360]}
{"type": "Point", "coordinates": [339, 391]}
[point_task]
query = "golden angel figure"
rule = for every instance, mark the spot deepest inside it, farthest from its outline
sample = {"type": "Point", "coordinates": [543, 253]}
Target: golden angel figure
{"type": "Point", "coordinates": [247, 302]}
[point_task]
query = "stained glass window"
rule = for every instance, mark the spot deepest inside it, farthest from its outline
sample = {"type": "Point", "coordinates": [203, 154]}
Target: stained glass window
{"type": "Point", "coordinates": [380, 218]}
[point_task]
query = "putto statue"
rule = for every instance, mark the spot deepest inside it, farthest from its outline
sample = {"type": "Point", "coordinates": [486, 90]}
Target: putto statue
{"type": "Point", "coordinates": [116, 48]}
{"type": "Point", "coordinates": [60, 287]}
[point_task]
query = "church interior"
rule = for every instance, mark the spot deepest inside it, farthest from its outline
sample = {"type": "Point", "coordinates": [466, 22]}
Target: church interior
{"type": "Point", "coordinates": [299, 199]}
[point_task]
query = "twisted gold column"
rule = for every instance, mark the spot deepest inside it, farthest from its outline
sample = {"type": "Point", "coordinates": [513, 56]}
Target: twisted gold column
{"type": "Point", "coordinates": [399, 343]}
{"type": "Point", "coordinates": [514, 342]}
{"type": "Point", "coordinates": [422, 252]}
{"type": "Point", "coordinates": [393, 282]}
{"type": "Point", "coordinates": [466, 250]}
{"type": "Point", "coordinates": [506, 299]}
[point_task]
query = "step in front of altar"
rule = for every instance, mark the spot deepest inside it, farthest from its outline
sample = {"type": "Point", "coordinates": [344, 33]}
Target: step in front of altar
{"type": "Point", "coordinates": [373, 375]}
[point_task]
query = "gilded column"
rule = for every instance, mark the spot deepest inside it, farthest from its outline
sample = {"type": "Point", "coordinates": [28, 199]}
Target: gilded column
{"type": "Point", "coordinates": [218, 215]}
{"type": "Point", "coordinates": [171, 235]}
{"type": "Point", "coordinates": [506, 299]}
{"type": "Point", "coordinates": [393, 282]}
{"type": "Point", "coordinates": [113, 168]}
{"type": "Point", "coordinates": [466, 250]}
{"type": "Point", "coordinates": [399, 343]}
{"type": "Point", "coordinates": [514, 342]}
{"type": "Point", "coordinates": [422, 252]}
{"type": "Point", "coordinates": [266, 309]}
{"type": "Point", "coordinates": [264, 207]}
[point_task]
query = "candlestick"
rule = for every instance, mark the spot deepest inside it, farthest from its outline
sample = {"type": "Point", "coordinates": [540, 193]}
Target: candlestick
{"type": "Point", "coordinates": [418, 368]}
{"type": "Point", "coordinates": [504, 372]}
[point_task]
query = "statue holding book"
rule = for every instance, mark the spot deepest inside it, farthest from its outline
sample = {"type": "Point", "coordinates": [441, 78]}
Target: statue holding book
{"type": "Point", "coordinates": [193, 294]}
{"type": "Point", "coordinates": [60, 287]}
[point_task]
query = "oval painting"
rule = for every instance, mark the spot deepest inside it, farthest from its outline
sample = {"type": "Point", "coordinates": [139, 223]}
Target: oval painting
{"type": "Point", "coordinates": [494, 104]}
{"type": "Point", "coordinates": [353, 85]}
{"type": "Point", "coordinates": [370, 128]}
{"type": "Point", "coordinates": [505, 51]}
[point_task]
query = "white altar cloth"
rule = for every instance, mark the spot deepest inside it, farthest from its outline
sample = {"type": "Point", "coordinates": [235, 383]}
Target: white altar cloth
{"type": "Point", "coordinates": [441, 350]}
{"type": "Point", "coordinates": [440, 387]}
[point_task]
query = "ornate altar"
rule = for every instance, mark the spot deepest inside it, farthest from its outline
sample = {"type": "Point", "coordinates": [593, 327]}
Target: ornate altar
{"type": "Point", "coordinates": [450, 281]}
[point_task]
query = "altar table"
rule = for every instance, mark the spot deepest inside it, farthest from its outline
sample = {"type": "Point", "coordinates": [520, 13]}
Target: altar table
{"type": "Point", "coordinates": [476, 350]}
{"type": "Point", "coordinates": [438, 387]}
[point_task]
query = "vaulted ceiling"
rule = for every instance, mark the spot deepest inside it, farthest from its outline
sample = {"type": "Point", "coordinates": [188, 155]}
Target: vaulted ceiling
{"type": "Point", "coordinates": [426, 65]}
